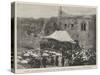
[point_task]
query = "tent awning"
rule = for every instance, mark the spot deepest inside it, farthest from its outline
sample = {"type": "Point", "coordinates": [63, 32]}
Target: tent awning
{"type": "Point", "coordinates": [62, 36]}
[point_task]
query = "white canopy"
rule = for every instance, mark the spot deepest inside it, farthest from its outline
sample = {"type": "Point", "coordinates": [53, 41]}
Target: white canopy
{"type": "Point", "coordinates": [62, 36]}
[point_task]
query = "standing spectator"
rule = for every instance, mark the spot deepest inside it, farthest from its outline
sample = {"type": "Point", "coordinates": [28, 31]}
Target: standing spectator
{"type": "Point", "coordinates": [52, 61]}
{"type": "Point", "coordinates": [44, 62]}
{"type": "Point", "coordinates": [37, 63]}
{"type": "Point", "coordinates": [57, 60]}
{"type": "Point", "coordinates": [60, 61]}
{"type": "Point", "coordinates": [63, 60]}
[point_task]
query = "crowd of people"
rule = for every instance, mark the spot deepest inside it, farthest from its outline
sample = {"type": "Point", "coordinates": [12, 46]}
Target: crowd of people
{"type": "Point", "coordinates": [49, 58]}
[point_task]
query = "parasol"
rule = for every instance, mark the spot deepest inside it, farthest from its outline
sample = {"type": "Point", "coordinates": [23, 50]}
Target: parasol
{"type": "Point", "coordinates": [45, 54]}
{"type": "Point", "coordinates": [24, 61]}
{"type": "Point", "coordinates": [26, 54]}
{"type": "Point", "coordinates": [19, 57]}
{"type": "Point", "coordinates": [34, 55]}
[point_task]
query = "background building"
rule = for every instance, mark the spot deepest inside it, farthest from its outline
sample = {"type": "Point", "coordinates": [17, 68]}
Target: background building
{"type": "Point", "coordinates": [81, 28]}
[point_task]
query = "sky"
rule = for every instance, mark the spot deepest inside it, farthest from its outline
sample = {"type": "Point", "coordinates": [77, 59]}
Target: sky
{"type": "Point", "coordinates": [47, 10]}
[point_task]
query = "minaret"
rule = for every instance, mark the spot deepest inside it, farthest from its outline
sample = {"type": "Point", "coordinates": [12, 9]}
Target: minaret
{"type": "Point", "coordinates": [59, 18]}
{"type": "Point", "coordinates": [60, 12]}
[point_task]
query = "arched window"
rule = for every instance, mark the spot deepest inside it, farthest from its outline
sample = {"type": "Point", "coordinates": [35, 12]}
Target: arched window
{"type": "Point", "coordinates": [55, 25]}
{"type": "Point", "coordinates": [72, 25]}
{"type": "Point", "coordinates": [65, 25]}
{"type": "Point", "coordinates": [83, 26]}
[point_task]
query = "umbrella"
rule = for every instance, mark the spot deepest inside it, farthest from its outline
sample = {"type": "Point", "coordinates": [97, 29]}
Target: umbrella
{"type": "Point", "coordinates": [28, 59]}
{"type": "Point", "coordinates": [29, 52]}
{"type": "Point", "coordinates": [45, 54]}
{"type": "Point", "coordinates": [52, 52]}
{"type": "Point", "coordinates": [46, 51]}
{"type": "Point", "coordinates": [26, 54]}
{"type": "Point", "coordinates": [24, 61]}
{"type": "Point", "coordinates": [38, 49]}
{"type": "Point", "coordinates": [34, 55]}
{"type": "Point", "coordinates": [19, 57]}
{"type": "Point", "coordinates": [58, 54]}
